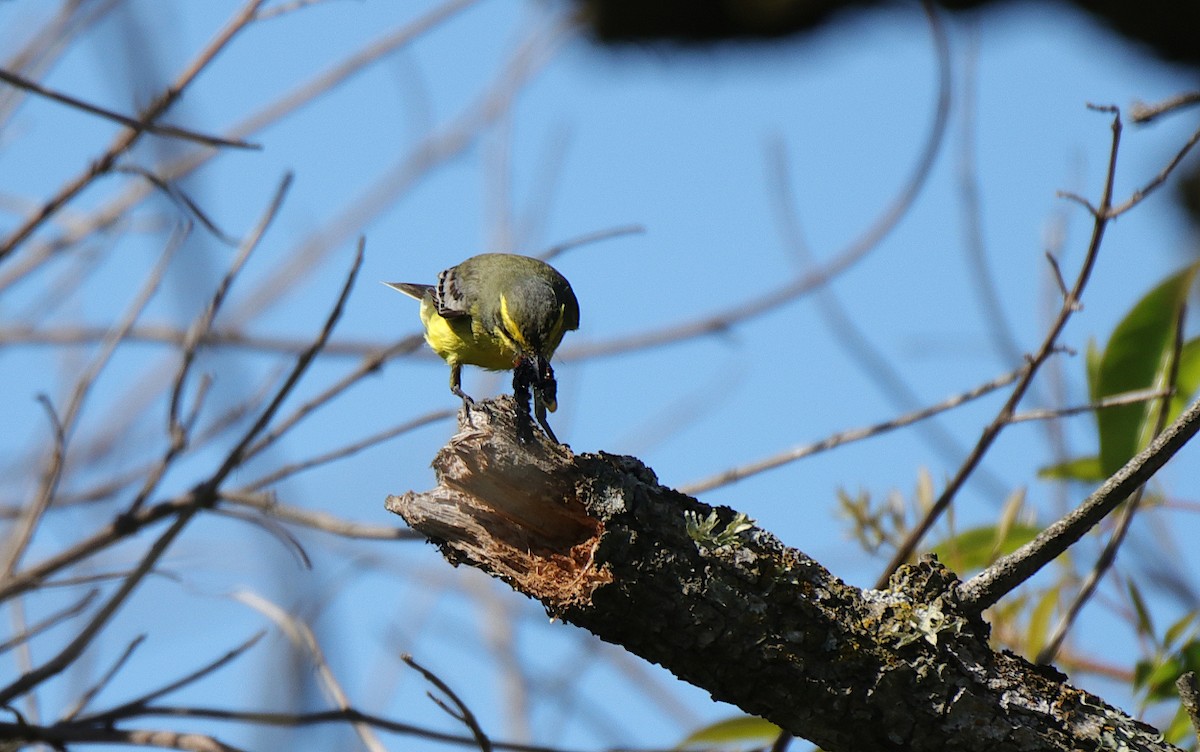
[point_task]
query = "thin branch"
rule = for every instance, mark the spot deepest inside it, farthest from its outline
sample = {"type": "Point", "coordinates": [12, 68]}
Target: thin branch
{"type": "Point", "coordinates": [850, 338]}
{"type": "Point", "coordinates": [202, 495]}
{"type": "Point", "coordinates": [1109, 554]}
{"type": "Point", "coordinates": [136, 124]}
{"type": "Point", "coordinates": [271, 528]}
{"type": "Point", "coordinates": [22, 534]}
{"type": "Point", "coordinates": [92, 691]}
{"type": "Point", "coordinates": [531, 56]}
{"type": "Point", "coordinates": [302, 636]}
{"type": "Point", "coordinates": [68, 654]}
{"type": "Point", "coordinates": [134, 707]}
{"type": "Point", "coordinates": [1157, 180]}
{"type": "Point", "coordinates": [242, 451]}
{"type": "Point", "coordinates": [350, 449]}
{"type": "Point", "coordinates": [59, 735]}
{"type": "Point", "coordinates": [349, 715]}
{"type": "Point", "coordinates": [463, 712]}
{"type": "Point", "coordinates": [125, 140]}
{"type": "Point", "coordinates": [846, 437]}
{"type": "Point", "coordinates": [116, 210]}
{"type": "Point", "coordinates": [588, 238]}
{"type": "Point", "coordinates": [53, 619]}
{"type": "Point", "coordinates": [845, 259]}
{"type": "Point", "coordinates": [180, 198]}
{"type": "Point", "coordinates": [321, 521]}
{"type": "Point", "coordinates": [162, 334]}
{"type": "Point", "coordinates": [1126, 398]}
{"type": "Point", "coordinates": [176, 433]}
{"type": "Point", "coordinates": [1142, 113]}
{"type": "Point", "coordinates": [1008, 572]}
{"type": "Point", "coordinates": [1048, 346]}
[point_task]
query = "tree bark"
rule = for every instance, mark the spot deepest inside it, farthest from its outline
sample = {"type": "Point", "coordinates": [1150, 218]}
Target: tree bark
{"type": "Point", "coordinates": [726, 606]}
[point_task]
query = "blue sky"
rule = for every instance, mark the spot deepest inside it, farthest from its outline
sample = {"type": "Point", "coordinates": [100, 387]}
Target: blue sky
{"type": "Point", "coordinates": [679, 144]}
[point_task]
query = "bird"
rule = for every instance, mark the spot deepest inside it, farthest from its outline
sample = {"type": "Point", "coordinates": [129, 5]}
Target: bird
{"type": "Point", "coordinates": [499, 311]}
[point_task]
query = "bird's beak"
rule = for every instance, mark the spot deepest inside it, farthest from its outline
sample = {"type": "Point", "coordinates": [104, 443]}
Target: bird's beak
{"type": "Point", "coordinates": [545, 384]}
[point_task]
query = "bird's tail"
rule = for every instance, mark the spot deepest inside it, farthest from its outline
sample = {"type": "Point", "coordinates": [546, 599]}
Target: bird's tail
{"type": "Point", "coordinates": [411, 289]}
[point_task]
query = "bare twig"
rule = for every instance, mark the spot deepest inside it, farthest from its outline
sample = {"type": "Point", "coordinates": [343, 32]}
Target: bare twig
{"type": "Point", "coordinates": [302, 636]}
{"type": "Point", "coordinates": [176, 432]}
{"type": "Point", "coordinates": [1128, 398]}
{"type": "Point", "coordinates": [118, 208]}
{"type": "Point", "coordinates": [133, 707]}
{"type": "Point", "coordinates": [169, 335]}
{"type": "Point", "coordinates": [322, 521]}
{"type": "Point", "coordinates": [179, 197]}
{"type": "Point", "coordinates": [35, 575]}
{"type": "Point", "coordinates": [242, 450]}
{"type": "Point", "coordinates": [104, 680]}
{"type": "Point", "coordinates": [59, 735]}
{"type": "Point", "coordinates": [1142, 113]}
{"type": "Point", "coordinates": [128, 138]}
{"type": "Point", "coordinates": [57, 617]}
{"type": "Point", "coordinates": [850, 338]}
{"type": "Point", "coordinates": [68, 654]}
{"type": "Point", "coordinates": [350, 449]}
{"type": "Point", "coordinates": [22, 533]}
{"type": "Point", "coordinates": [136, 124]}
{"type": "Point", "coordinates": [460, 711]}
{"type": "Point", "coordinates": [350, 715]}
{"type": "Point", "coordinates": [588, 238]}
{"type": "Point", "coordinates": [990, 585]}
{"type": "Point", "coordinates": [535, 51]}
{"type": "Point", "coordinates": [272, 528]}
{"type": "Point", "coordinates": [858, 249]}
{"type": "Point", "coordinates": [845, 437]}
{"type": "Point", "coordinates": [1157, 180]}
{"type": "Point", "coordinates": [1047, 347]}
{"type": "Point", "coordinates": [1109, 554]}
{"type": "Point", "coordinates": [203, 494]}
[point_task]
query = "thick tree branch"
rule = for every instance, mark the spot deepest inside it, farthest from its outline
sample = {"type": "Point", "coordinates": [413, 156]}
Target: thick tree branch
{"type": "Point", "coordinates": [726, 606]}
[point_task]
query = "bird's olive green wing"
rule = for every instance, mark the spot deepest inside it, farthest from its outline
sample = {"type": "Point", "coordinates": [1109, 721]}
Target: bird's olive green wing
{"type": "Point", "coordinates": [455, 292]}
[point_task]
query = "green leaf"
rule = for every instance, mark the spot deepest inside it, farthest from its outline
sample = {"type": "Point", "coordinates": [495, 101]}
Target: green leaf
{"type": "Point", "coordinates": [1039, 621]}
{"type": "Point", "coordinates": [741, 732]}
{"type": "Point", "coordinates": [1138, 356]}
{"type": "Point", "coordinates": [976, 548]}
{"type": "Point", "coordinates": [1187, 382]}
{"type": "Point", "coordinates": [1093, 357]}
{"type": "Point", "coordinates": [1145, 626]}
{"type": "Point", "coordinates": [1158, 680]}
{"type": "Point", "coordinates": [1176, 630]}
{"type": "Point", "coordinates": [1081, 468]}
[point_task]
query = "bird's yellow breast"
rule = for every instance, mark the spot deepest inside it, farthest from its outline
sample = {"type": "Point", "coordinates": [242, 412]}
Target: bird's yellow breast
{"type": "Point", "coordinates": [463, 341]}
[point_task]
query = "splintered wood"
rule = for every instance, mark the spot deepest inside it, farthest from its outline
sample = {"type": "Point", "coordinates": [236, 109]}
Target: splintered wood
{"type": "Point", "coordinates": [508, 501]}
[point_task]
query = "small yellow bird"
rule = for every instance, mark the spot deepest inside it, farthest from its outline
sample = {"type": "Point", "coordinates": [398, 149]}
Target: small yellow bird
{"type": "Point", "coordinates": [499, 311]}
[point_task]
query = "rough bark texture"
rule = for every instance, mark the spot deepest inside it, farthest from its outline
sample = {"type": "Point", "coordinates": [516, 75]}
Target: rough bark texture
{"type": "Point", "coordinates": [726, 606]}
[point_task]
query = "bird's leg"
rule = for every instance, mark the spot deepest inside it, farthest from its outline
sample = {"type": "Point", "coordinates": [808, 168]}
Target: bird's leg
{"type": "Point", "coordinates": [522, 382]}
{"type": "Point", "coordinates": [456, 385]}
